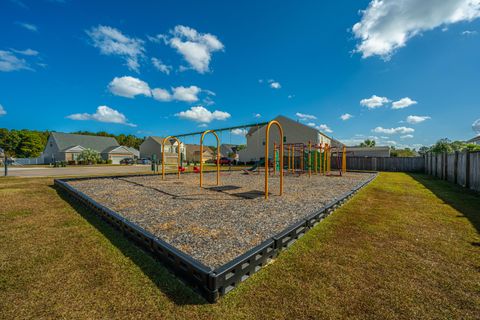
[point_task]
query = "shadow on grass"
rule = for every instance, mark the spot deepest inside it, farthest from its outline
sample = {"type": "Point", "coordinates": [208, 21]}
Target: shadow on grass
{"type": "Point", "coordinates": [174, 289]}
{"type": "Point", "coordinates": [464, 200]}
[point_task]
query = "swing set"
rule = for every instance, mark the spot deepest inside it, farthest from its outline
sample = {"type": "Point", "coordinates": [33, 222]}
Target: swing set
{"type": "Point", "coordinates": [300, 158]}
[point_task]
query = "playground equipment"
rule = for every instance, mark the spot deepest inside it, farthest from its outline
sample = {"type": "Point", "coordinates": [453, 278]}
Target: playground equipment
{"type": "Point", "coordinates": [201, 156]}
{"type": "Point", "coordinates": [179, 160]}
{"type": "Point", "coordinates": [267, 136]}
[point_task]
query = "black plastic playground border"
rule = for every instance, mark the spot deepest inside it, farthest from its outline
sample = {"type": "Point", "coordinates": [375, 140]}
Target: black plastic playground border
{"type": "Point", "coordinates": [211, 284]}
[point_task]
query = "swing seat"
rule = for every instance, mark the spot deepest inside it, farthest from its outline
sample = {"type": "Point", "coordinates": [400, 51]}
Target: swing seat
{"type": "Point", "coordinates": [196, 169]}
{"type": "Point", "coordinates": [181, 169]}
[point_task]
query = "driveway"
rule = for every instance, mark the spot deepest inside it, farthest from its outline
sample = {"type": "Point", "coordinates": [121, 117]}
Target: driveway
{"type": "Point", "coordinates": [26, 171]}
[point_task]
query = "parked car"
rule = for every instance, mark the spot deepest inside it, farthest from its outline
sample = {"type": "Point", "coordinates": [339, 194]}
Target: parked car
{"type": "Point", "coordinates": [144, 161]}
{"type": "Point", "coordinates": [127, 161]}
{"type": "Point", "coordinates": [224, 160]}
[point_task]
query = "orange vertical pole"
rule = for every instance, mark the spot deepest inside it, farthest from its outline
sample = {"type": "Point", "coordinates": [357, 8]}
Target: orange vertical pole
{"type": "Point", "coordinates": [344, 159]}
{"type": "Point", "coordinates": [309, 159]}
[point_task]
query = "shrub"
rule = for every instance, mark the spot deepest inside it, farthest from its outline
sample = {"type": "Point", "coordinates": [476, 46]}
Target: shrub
{"type": "Point", "coordinates": [89, 156]}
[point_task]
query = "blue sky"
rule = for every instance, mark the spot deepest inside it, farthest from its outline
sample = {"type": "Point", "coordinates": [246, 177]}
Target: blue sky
{"type": "Point", "coordinates": [402, 72]}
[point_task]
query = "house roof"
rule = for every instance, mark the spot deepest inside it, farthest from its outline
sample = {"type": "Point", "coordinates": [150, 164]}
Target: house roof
{"type": "Point", "coordinates": [280, 117]}
{"type": "Point", "coordinates": [118, 150]}
{"type": "Point", "coordinates": [132, 150]}
{"type": "Point", "coordinates": [196, 148]}
{"type": "Point", "coordinates": [159, 140]}
{"type": "Point", "coordinates": [477, 138]}
{"type": "Point", "coordinates": [65, 141]}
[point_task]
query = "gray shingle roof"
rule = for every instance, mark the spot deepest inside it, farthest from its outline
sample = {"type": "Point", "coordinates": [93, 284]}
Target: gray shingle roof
{"type": "Point", "coordinates": [67, 140]}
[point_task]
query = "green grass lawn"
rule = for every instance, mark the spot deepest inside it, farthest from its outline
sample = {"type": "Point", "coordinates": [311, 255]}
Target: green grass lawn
{"type": "Point", "coordinates": [406, 247]}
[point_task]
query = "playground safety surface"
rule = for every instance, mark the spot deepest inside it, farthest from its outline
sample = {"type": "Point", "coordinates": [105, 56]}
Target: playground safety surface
{"type": "Point", "coordinates": [214, 230]}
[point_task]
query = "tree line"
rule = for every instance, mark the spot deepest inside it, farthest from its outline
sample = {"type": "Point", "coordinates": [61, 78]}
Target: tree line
{"type": "Point", "coordinates": [30, 143]}
{"type": "Point", "coordinates": [441, 146]}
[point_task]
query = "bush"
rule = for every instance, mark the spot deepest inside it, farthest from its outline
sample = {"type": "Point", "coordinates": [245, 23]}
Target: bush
{"type": "Point", "coordinates": [72, 162]}
{"type": "Point", "coordinates": [89, 156]}
{"type": "Point", "coordinates": [109, 161]}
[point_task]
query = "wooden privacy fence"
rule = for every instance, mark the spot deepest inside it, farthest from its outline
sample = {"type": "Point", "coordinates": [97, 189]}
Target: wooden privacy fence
{"type": "Point", "coordinates": [396, 164]}
{"type": "Point", "coordinates": [462, 168]}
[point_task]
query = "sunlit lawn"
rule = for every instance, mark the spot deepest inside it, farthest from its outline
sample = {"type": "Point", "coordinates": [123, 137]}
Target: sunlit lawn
{"type": "Point", "coordinates": [406, 247]}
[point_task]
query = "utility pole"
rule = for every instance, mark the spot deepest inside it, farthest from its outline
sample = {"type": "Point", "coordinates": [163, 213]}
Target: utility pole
{"type": "Point", "coordinates": [5, 162]}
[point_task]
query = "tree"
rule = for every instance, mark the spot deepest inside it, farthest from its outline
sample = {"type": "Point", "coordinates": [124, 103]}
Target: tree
{"type": "Point", "coordinates": [89, 156]}
{"type": "Point", "coordinates": [30, 144]}
{"type": "Point", "coordinates": [423, 150]}
{"type": "Point", "coordinates": [407, 152]}
{"type": "Point", "coordinates": [368, 143]}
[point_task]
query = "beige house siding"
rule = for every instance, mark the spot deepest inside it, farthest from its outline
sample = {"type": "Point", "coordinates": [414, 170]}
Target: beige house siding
{"type": "Point", "coordinates": [153, 146]}
{"type": "Point", "coordinates": [294, 132]}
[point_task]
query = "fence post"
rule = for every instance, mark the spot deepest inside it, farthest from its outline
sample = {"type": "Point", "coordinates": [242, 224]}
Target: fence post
{"type": "Point", "coordinates": [455, 168]}
{"type": "Point", "coordinates": [445, 166]}
{"type": "Point", "coordinates": [467, 169]}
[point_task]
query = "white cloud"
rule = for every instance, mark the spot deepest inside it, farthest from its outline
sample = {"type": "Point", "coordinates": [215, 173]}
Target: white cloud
{"type": "Point", "coordinates": [195, 47]}
{"type": "Point", "coordinates": [291, 96]}
{"type": "Point", "coordinates": [402, 130]}
{"type": "Point", "coordinates": [2, 111]}
{"type": "Point", "coordinates": [239, 132]}
{"type": "Point", "coordinates": [374, 102]}
{"type": "Point", "coordinates": [417, 119]}
{"type": "Point", "coordinates": [275, 85]}
{"type": "Point", "coordinates": [10, 62]}
{"type": "Point", "coordinates": [476, 126]}
{"type": "Point", "coordinates": [324, 128]}
{"type": "Point", "coordinates": [28, 26]}
{"type": "Point", "coordinates": [321, 127]}
{"type": "Point", "coordinates": [403, 103]}
{"type": "Point", "coordinates": [387, 25]}
{"type": "Point", "coordinates": [202, 115]}
{"type": "Point", "coordinates": [258, 115]}
{"type": "Point", "coordinates": [160, 66]}
{"type": "Point", "coordinates": [26, 52]}
{"type": "Point", "coordinates": [161, 94]}
{"type": "Point", "coordinates": [469, 33]}
{"type": "Point", "coordinates": [129, 87]}
{"type": "Point", "coordinates": [111, 41]}
{"type": "Point", "coordinates": [346, 116]}
{"type": "Point", "coordinates": [103, 114]}
{"type": "Point", "coordinates": [187, 94]}
{"type": "Point", "coordinates": [304, 117]}
{"type": "Point", "coordinates": [407, 136]}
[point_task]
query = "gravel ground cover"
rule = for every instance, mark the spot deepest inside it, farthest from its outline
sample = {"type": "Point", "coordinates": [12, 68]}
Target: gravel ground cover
{"type": "Point", "coordinates": [212, 226]}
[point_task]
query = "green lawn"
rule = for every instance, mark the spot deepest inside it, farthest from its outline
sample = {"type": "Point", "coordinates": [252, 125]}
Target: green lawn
{"type": "Point", "coordinates": [407, 246]}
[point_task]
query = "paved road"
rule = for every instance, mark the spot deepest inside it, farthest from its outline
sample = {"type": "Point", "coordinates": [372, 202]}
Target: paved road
{"type": "Point", "coordinates": [26, 171]}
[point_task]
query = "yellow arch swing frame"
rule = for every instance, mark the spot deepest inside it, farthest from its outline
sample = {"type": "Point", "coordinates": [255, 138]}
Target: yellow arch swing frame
{"type": "Point", "coordinates": [201, 156]}
{"type": "Point", "coordinates": [267, 136]}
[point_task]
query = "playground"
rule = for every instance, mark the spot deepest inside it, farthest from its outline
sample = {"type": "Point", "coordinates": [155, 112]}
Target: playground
{"type": "Point", "coordinates": [215, 224]}
{"type": "Point", "coordinates": [215, 229]}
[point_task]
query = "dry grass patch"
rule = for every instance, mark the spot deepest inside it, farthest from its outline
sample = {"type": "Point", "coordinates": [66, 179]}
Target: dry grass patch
{"type": "Point", "coordinates": [405, 247]}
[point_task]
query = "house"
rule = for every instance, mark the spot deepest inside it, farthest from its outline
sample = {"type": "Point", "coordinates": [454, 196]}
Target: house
{"type": "Point", "coordinates": [193, 153]}
{"type": "Point", "coordinates": [475, 140]}
{"type": "Point", "coordinates": [67, 147]}
{"type": "Point", "coordinates": [152, 147]}
{"type": "Point", "coordinates": [293, 132]}
{"type": "Point", "coordinates": [230, 151]}
{"type": "Point", "coordinates": [135, 152]}
{"type": "Point", "coordinates": [382, 152]}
